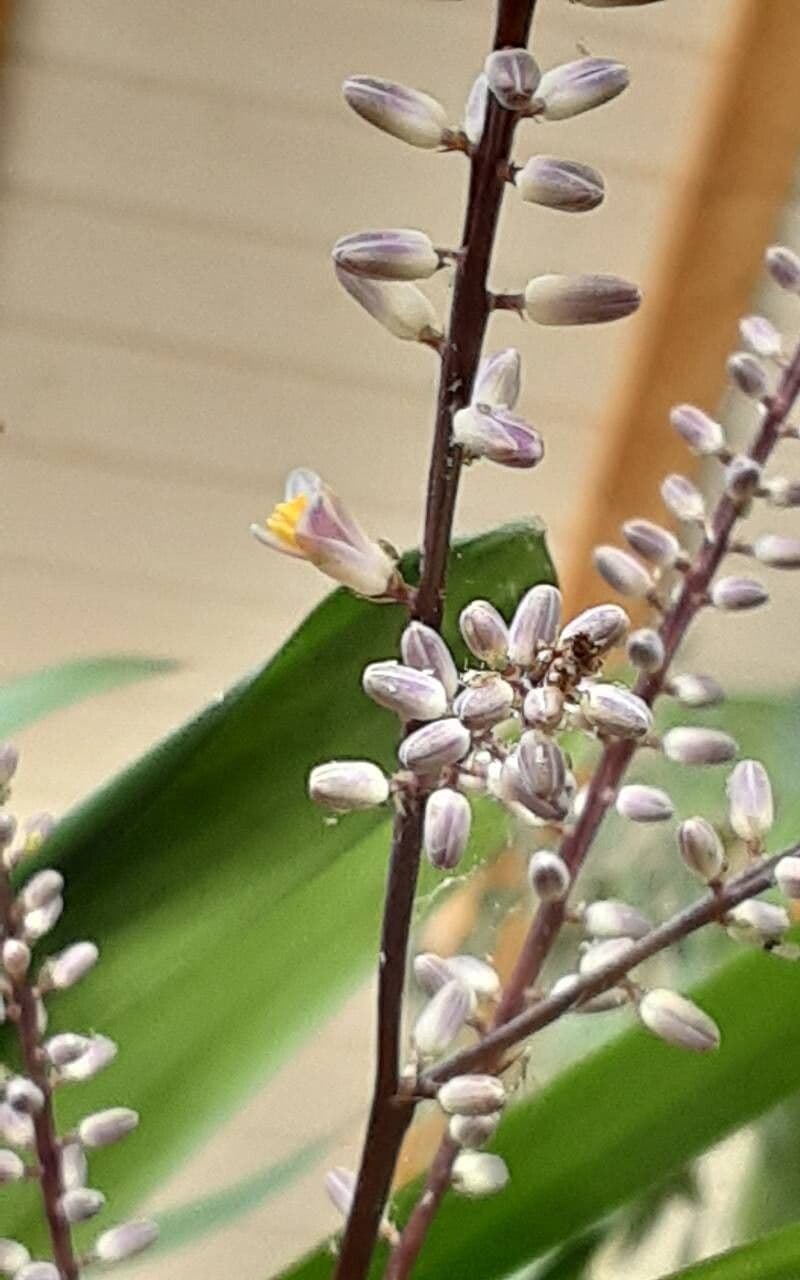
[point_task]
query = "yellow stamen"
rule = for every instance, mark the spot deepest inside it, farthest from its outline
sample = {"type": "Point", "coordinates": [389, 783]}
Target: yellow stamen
{"type": "Point", "coordinates": [285, 518]}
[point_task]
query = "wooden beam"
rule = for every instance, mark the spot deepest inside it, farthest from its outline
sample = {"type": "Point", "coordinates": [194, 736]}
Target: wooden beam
{"type": "Point", "coordinates": [727, 209]}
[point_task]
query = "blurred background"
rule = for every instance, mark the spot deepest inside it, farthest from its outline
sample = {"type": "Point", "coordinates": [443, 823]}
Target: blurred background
{"type": "Point", "coordinates": [174, 341]}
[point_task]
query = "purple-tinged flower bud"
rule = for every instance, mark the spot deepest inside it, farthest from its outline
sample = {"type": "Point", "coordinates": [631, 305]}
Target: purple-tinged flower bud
{"type": "Point", "coordinates": [560, 184]}
{"type": "Point", "coordinates": [343, 785]}
{"type": "Point", "coordinates": [622, 572]}
{"type": "Point", "coordinates": [399, 306]}
{"type": "Point", "coordinates": [13, 1257]}
{"type": "Point", "coordinates": [66, 1047]}
{"type": "Point", "coordinates": [406, 114]}
{"type": "Point", "coordinates": [125, 1241]}
{"type": "Point", "coordinates": [41, 889]}
{"type": "Point", "coordinates": [750, 804]}
{"type": "Point", "coordinates": [646, 649]}
{"type": "Point", "coordinates": [81, 1204]}
{"type": "Point", "coordinates": [782, 492]}
{"type": "Point", "coordinates": [656, 545]}
{"type": "Point", "coordinates": [587, 299]}
{"type": "Point", "coordinates": [38, 1271]}
{"type": "Point", "coordinates": [473, 1095]}
{"type": "Point", "coordinates": [498, 379]}
{"type": "Point", "coordinates": [521, 800]}
{"type": "Point", "coordinates": [498, 435]}
{"type": "Point", "coordinates": [443, 1018]}
{"type": "Point", "coordinates": [12, 1169]}
{"type": "Point", "coordinates": [23, 1095]}
{"type": "Point", "coordinates": [608, 918]}
{"type": "Point", "coordinates": [599, 955]}
{"type": "Point", "coordinates": [692, 744]}
{"type": "Point", "coordinates": [430, 748]}
{"type": "Point", "coordinates": [534, 625]}
{"type": "Point", "coordinates": [541, 764]}
{"type": "Point", "coordinates": [760, 336]}
{"type": "Point", "coordinates": [16, 1128]}
{"type": "Point", "coordinates": [777, 551]}
{"type": "Point", "coordinates": [473, 1131]}
{"type": "Point", "coordinates": [696, 690]}
{"type": "Point", "coordinates": [68, 967]}
{"type": "Point", "coordinates": [9, 760]}
{"type": "Point", "coordinates": [477, 1174]}
{"type": "Point", "coordinates": [683, 499]}
{"type": "Point", "coordinates": [644, 804]}
{"type": "Point", "coordinates": [574, 87]}
{"type": "Point", "coordinates": [757, 923]}
{"type": "Point", "coordinates": [704, 435]}
{"type": "Point", "coordinates": [16, 958]}
{"type": "Point", "coordinates": [787, 878]}
{"type": "Point", "coordinates": [74, 1168]}
{"type": "Point", "coordinates": [424, 648]}
{"type": "Point", "coordinates": [735, 594]}
{"type": "Point", "coordinates": [476, 974]}
{"type": "Point", "coordinates": [747, 374]}
{"type": "Point", "coordinates": [512, 76]}
{"type": "Point", "coordinates": [742, 477]}
{"type": "Point", "coordinates": [340, 1184]}
{"type": "Point", "coordinates": [604, 625]}
{"type": "Point", "coordinates": [412, 694]}
{"type": "Point", "coordinates": [39, 922]}
{"type": "Point", "coordinates": [784, 267]}
{"type": "Point", "coordinates": [431, 972]}
{"type": "Point", "coordinates": [448, 819]}
{"type": "Point", "coordinates": [475, 109]}
{"type": "Point", "coordinates": [549, 876]}
{"type": "Point", "coordinates": [701, 849]}
{"type": "Point", "coordinates": [678, 1022]}
{"type": "Point", "coordinates": [614, 710]}
{"type": "Point", "coordinates": [485, 702]}
{"type": "Point", "coordinates": [103, 1128]}
{"type": "Point", "coordinates": [485, 633]}
{"type": "Point", "coordinates": [543, 707]}
{"type": "Point", "coordinates": [388, 255]}
{"type": "Point", "coordinates": [99, 1053]}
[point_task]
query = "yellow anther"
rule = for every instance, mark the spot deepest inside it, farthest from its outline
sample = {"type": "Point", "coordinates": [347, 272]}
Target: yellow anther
{"type": "Point", "coordinates": [285, 518]}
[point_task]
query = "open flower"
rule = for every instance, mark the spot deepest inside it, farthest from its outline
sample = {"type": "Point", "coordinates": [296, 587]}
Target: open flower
{"type": "Point", "coordinates": [312, 524]}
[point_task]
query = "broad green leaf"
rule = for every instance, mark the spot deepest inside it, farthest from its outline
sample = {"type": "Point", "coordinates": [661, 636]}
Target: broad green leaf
{"type": "Point", "coordinates": [775, 1257]}
{"type": "Point", "coordinates": [230, 913]}
{"type": "Point", "coordinates": [28, 698]}
{"type": "Point", "coordinates": [771, 1193]}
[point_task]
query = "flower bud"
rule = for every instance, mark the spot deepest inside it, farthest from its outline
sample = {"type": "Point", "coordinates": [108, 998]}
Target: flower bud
{"type": "Point", "coordinates": [340, 1184]}
{"type": "Point", "coordinates": [23, 1095]}
{"type": "Point", "coordinates": [736, 594]}
{"type": "Point", "coordinates": [599, 955]}
{"type": "Point", "coordinates": [622, 572]}
{"type": "Point", "coordinates": [498, 435]}
{"type": "Point", "coordinates": [412, 694]}
{"type": "Point", "coordinates": [74, 1169]}
{"type": "Point", "coordinates": [404, 113]}
{"type": "Point", "coordinates": [473, 1131]}
{"type": "Point", "coordinates": [497, 382]}
{"type": "Point", "coordinates": [549, 876]}
{"type": "Point", "coordinates": [683, 499]}
{"type": "Point", "coordinates": [431, 972]}
{"type": "Point", "coordinates": [543, 707]}
{"type": "Point", "coordinates": [343, 785]}
{"type": "Point", "coordinates": [125, 1241]}
{"type": "Point", "coordinates": [784, 267]}
{"type": "Point", "coordinates": [696, 691]}
{"type": "Point", "coordinates": [485, 702]}
{"type": "Point", "coordinates": [41, 889]}
{"type": "Point", "coordinates": [691, 744]}
{"type": "Point", "coordinates": [66, 1047]}
{"type": "Point", "coordinates": [534, 625]}
{"type": "Point", "coordinates": [68, 967]}
{"type": "Point", "coordinates": [476, 1173]}
{"type": "Point", "coordinates": [760, 336]}
{"type": "Point", "coordinates": [646, 649]}
{"type": "Point", "coordinates": [9, 760]}
{"type": "Point", "coordinates": [604, 625]}
{"type": "Point", "coordinates": [512, 76]}
{"type": "Point", "coordinates": [106, 1127]}
{"type": "Point", "coordinates": [519, 797]}
{"type": "Point", "coordinates": [574, 87]}
{"type": "Point", "coordinates": [750, 801]}
{"type": "Point", "coordinates": [475, 1095]}
{"type": "Point", "coordinates": [476, 974]}
{"type": "Point", "coordinates": [81, 1204]}
{"type": "Point", "coordinates": [701, 849]}
{"type": "Point", "coordinates": [13, 1257]}
{"type": "Point", "coordinates": [399, 306]}
{"type": "Point", "coordinates": [475, 109]}
{"type": "Point", "coordinates": [616, 711]}
{"type": "Point", "coordinates": [16, 1128]}
{"type": "Point", "coordinates": [787, 878]}
{"type": "Point", "coordinates": [16, 958]}
{"type": "Point", "coordinates": [38, 1271]}
{"type": "Point", "coordinates": [781, 492]}
{"type": "Point", "coordinates": [442, 1018]}
{"type": "Point", "coordinates": [677, 1021]}
{"type": "Point", "coordinates": [604, 1002]}
{"type": "Point", "coordinates": [485, 633]}
{"type": "Point", "coordinates": [742, 477]}
{"type": "Point", "coordinates": [704, 435]}
{"type": "Point", "coordinates": [644, 804]}
{"type": "Point", "coordinates": [429, 749]}
{"type": "Point", "coordinates": [424, 648]}
{"type": "Point", "coordinates": [12, 1169]}
{"type": "Point", "coordinates": [560, 184]}
{"type": "Point", "coordinates": [608, 918]}
{"type": "Point", "coordinates": [448, 819]}
{"type": "Point", "coordinates": [388, 255]}
{"type": "Point", "coordinates": [586, 299]}
{"type": "Point", "coordinates": [757, 923]}
{"type": "Point", "coordinates": [8, 829]}
{"type": "Point", "coordinates": [39, 922]}
{"type": "Point", "coordinates": [541, 765]}
{"type": "Point", "coordinates": [656, 545]}
{"type": "Point", "coordinates": [778, 552]}
{"type": "Point", "coordinates": [99, 1053]}
{"type": "Point", "coordinates": [747, 374]}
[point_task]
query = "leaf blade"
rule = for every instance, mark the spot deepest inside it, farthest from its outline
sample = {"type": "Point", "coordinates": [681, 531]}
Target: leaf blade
{"type": "Point", "coordinates": [28, 698]}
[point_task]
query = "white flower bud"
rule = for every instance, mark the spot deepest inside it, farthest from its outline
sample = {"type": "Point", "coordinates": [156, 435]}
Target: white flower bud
{"type": "Point", "coordinates": [677, 1021]}
{"type": "Point", "coordinates": [512, 76]}
{"type": "Point", "coordinates": [760, 336]}
{"type": "Point", "coordinates": [608, 918]}
{"type": "Point", "coordinates": [23, 1095]}
{"type": "Point", "coordinates": [9, 760]}
{"type": "Point", "coordinates": [781, 492]}
{"type": "Point", "coordinates": [474, 1095]}
{"type": "Point", "coordinates": [125, 1241]}
{"type": "Point", "coordinates": [41, 889]}
{"type": "Point", "coordinates": [742, 477]}
{"type": "Point", "coordinates": [622, 572]}
{"type": "Point", "coordinates": [485, 702]}
{"type": "Point", "coordinates": [534, 625]}
{"type": "Point", "coordinates": [13, 1257]}
{"type": "Point", "coordinates": [475, 109]}
{"type": "Point", "coordinates": [778, 552]}
{"type": "Point", "coordinates": [16, 958]}
{"type": "Point", "coordinates": [64, 970]}
{"type": "Point", "coordinates": [578, 86]}
{"type": "Point", "coordinates": [430, 748]}
{"type": "Point", "coordinates": [399, 306]}
{"type": "Point", "coordinates": [586, 299]}
{"type": "Point", "coordinates": [750, 801]}
{"type": "Point", "coordinates": [485, 633]}
{"type": "Point", "coordinates": [340, 1184]}
{"type": "Point", "coordinates": [758, 923]}
{"type": "Point", "coordinates": [599, 955]}
{"type": "Point", "coordinates": [424, 648]}
{"type": "Point", "coordinates": [12, 1169]}
{"type": "Point", "coordinates": [106, 1127]}
{"type": "Point", "coordinates": [614, 710]}
{"type": "Point", "coordinates": [696, 690]}
{"type": "Point", "coordinates": [498, 379]}
{"type": "Point", "coordinates": [404, 113]}
{"type": "Point", "coordinates": [473, 1131]}
{"type": "Point", "coordinates": [692, 744]}
{"type": "Point", "coordinates": [656, 545]}
{"type": "Point", "coordinates": [735, 594]}
{"type": "Point", "coordinates": [38, 923]}
{"type": "Point", "coordinates": [38, 1271]}
{"type": "Point", "coordinates": [644, 804]}
{"type": "Point", "coordinates": [787, 878]}
{"type": "Point", "coordinates": [448, 819]}
{"type": "Point", "coordinates": [74, 1168]}
{"type": "Point", "coordinates": [646, 649]}
{"type": "Point", "coordinates": [16, 1127]}
{"type": "Point", "coordinates": [683, 499]}
{"type": "Point", "coordinates": [497, 435]}
{"type": "Point", "coordinates": [476, 974]}
{"type": "Point", "coordinates": [549, 875]}
{"type": "Point", "coordinates": [431, 972]}
{"type": "Point", "coordinates": [412, 694]}
{"type": "Point", "coordinates": [81, 1204]}
{"type": "Point", "coordinates": [476, 1173]}
{"type": "Point", "coordinates": [442, 1018]}
{"type": "Point", "coordinates": [100, 1052]}
{"type": "Point", "coordinates": [343, 785]}
{"type": "Point", "coordinates": [560, 184]}
{"type": "Point", "coordinates": [784, 267]}
{"type": "Point", "coordinates": [704, 435]}
{"type": "Point", "coordinates": [543, 707]}
{"type": "Point", "coordinates": [541, 764]}
{"type": "Point", "coordinates": [747, 374]}
{"type": "Point", "coordinates": [66, 1047]}
{"type": "Point", "coordinates": [701, 849]}
{"type": "Point", "coordinates": [604, 625]}
{"type": "Point", "coordinates": [388, 255]}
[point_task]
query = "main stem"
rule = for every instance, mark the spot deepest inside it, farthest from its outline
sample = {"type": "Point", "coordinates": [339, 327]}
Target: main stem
{"type": "Point", "coordinates": [469, 314]}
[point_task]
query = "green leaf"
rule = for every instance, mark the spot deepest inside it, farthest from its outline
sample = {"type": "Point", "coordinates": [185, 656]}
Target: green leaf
{"type": "Point", "coordinates": [775, 1257]}
{"type": "Point", "coordinates": [230, 913]}
{"type": "Point", "coordinates": [28, 698]}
